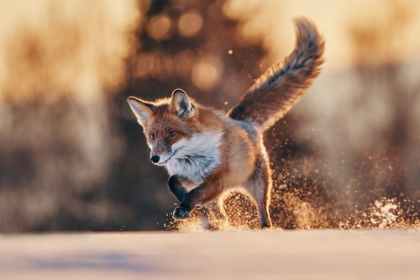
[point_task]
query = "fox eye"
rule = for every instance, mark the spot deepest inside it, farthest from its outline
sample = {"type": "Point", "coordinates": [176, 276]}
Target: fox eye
{"type": "Point", "coordinates": [172, 134]}
{"type": "Point", "coordinates": [152, 136]}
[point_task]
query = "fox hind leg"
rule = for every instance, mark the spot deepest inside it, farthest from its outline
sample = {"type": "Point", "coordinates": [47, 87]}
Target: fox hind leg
{"type": "Point", "coordinates": [258, 187]}
{"type": "Point", "coordinates": [214, 215]}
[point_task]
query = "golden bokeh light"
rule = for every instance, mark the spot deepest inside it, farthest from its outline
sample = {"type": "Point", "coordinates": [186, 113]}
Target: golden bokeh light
{"type": "Point", "coordinates": [159, 27]}
{"type": "Point", "coordinates": [207, 72]}
{"type": "Point", "coordinates": [190, 23]}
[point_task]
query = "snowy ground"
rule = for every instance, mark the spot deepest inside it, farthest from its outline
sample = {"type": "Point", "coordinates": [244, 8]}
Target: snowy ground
{"type": "Point", "coordinates": [324, 254]}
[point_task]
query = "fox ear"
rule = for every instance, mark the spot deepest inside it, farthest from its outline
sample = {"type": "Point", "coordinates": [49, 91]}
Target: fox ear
{"type": "Point", "coordinates": [181, 104]}
{"type": "Point", "coordinates": [143, 110]}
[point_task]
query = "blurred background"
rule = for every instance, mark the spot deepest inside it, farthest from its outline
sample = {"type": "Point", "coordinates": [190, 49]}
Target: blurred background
{"type": "Point", "coordinates": [72, 156]}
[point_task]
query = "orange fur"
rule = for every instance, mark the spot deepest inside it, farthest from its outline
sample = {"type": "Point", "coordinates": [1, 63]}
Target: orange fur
{"type": "Point", "coordinates": [207, 152]}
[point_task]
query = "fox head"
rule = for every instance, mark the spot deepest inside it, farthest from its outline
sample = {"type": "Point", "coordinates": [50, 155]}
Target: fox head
{"type": "Point", "coordinates": [166, 123]}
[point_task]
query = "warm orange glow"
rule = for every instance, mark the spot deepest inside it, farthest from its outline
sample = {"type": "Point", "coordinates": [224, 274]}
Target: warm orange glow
{"type": "Point", "coordinates": [92, 41]}
{"type": "Point", "coordinates": [75, 47]}
{"type": "Point", "coordinates": [270, 20]}
{"type": "Point", "coordinates": [346, 156]}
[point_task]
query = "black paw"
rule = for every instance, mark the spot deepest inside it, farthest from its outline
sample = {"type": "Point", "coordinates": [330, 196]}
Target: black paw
{"type": "Point", "coordinates": [181, 213]}
{"type": "Point", "coordinates": [265, 225]}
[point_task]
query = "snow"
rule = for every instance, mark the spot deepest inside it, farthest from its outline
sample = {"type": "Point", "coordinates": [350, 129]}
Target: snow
{"type": "Point", "coordinates": [268, 254]}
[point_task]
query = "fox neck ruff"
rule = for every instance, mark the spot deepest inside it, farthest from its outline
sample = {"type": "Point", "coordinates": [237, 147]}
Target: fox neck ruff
{"type": "Point", "coordinates": [196, 157]}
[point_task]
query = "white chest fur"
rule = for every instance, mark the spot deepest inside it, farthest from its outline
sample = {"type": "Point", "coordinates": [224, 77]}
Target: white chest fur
{"type": "Point", "coordinates": [196, 157]}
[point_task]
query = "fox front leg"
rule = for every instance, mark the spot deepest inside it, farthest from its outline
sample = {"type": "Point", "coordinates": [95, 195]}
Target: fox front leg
{"type": "Point", "coordinates": [176, 188]}
{"type": "Point", "coordinates": [210, 189]}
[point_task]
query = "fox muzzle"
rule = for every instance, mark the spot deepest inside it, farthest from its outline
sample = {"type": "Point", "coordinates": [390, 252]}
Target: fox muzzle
{"type": "Point", "coordinates": [155, 158]}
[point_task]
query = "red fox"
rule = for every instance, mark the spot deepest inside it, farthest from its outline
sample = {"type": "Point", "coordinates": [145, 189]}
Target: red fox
{"type": "Point", "coordinates": [207, 152]}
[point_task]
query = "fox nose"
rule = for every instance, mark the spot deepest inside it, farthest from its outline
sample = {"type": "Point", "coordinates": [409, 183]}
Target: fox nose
{"type": "Point", "coordinates": [155, 159]}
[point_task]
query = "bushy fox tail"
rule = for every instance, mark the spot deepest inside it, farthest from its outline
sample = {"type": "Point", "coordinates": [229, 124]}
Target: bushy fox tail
{"type": "Point", "coordinates": [281, 86]}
